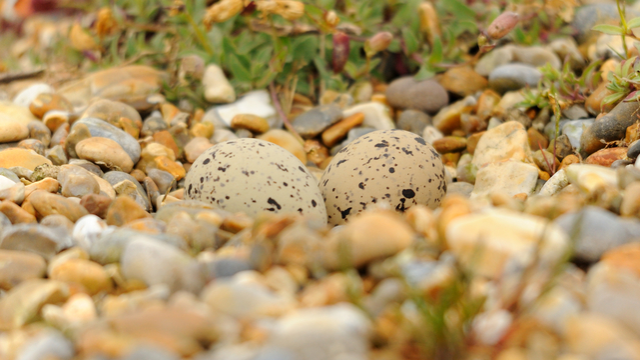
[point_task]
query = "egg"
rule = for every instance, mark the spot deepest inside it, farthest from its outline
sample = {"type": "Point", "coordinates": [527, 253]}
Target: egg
{"type": "Point", "coordinates": [252, 176]}
{"type": "Point", "coordinates": [395, 166]}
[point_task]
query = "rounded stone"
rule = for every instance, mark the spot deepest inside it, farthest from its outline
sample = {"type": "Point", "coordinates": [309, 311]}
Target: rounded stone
{"type": "Point", "coordinates": [104, 150]}
{"type": "Point", "coordinates": [514, 77]}
{"type": "Point", "coordinates": [425, 95]}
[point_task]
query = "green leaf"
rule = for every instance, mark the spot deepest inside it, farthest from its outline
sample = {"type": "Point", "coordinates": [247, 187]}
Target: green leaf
{"type": "Point", "coordinates": [459, 9]}
{"type": "Point", "coordinates": [238, 69]}
{"type": "Point", "coordinates": [410, 40]}
{"type": "Point", "coordinates": [425, 72]}
{"type": "Point", "coordinates": [613, 98]}
{"type": "Point", "coordinates": [608, 29]}
{"type": "Point", "coordinates": [436, 52]}
{"type": "Point", "coordinates": [305, 48]}
{"type": "Point", "coordinates": [633, 23]}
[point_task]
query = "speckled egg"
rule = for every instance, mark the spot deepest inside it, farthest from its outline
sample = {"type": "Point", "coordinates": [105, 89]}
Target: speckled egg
{"type": "Point", "coordinates": [252, 176]}
{"type": "Point", "coordinates": [395, 166]}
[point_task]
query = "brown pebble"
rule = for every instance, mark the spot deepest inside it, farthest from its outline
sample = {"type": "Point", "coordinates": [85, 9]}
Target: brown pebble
{"type": "Point", "coordinates": [47, 184]}
{"type": "Point", "coordinates": [450, 144]}
{"type": "Point", "coordinates": [316, 152]}
{"type": "Point", "coordinates": [123, 210]}
{"type": "Point", "coordinates": [96, 204]}
{"type": "Point", "coordinates": [203, 129]}
{"type": "Point", "coordinates": [339, 130]}
{"type": "Point", "coordinates": [77, 134]}
{"type": "Point", "coordinates": [48, 204]}
{"type": "Point", "coordinates": [165, 138]}
{"type": "Point", "coordinates": [536, 139]}
{"type": "Point", "coordinates": [606, 157]}
{"type": "Point", "coordinates": [172, 167]}
{"type": "Point", "coordinates": [87, 273]}
{"type": "Point", "coordinates": [129, 126]}
{"type": "Point", "coordinates": [632, 133]}
{"type": "Point", "coordinates": [18, 266]}
{"type": "Point", "coordinates": [253, 123]}
{"type": "Point", "coordinates": [15, 213]}
{"type": "Point", "coordinates": [472, 141]}
{"type": "Point", "coordinates": [138, 175]}
{"type": "Point", "coordinates": [48, 101]}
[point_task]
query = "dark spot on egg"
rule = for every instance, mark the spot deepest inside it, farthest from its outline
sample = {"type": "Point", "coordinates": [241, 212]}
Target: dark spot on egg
{"type": "Point", "coordinates": [408, 193]}
{"type": "Point", "coordinates": [420, 140]}
{"type": "Point", "coordinates": [206, 161]}
{"type": "Point", "coordinates": [274, 203]}
{"type": "Point", "coordinates": [344, 213]}
{"type": "Point", "coordinates": [392, 170]}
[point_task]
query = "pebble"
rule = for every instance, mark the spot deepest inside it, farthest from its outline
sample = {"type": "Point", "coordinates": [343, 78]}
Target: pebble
{"type": "Point", "coordinates": [123, 210]}
{"type": "Point", "coordinates": [331, 332]}
{"type": "Point", "coordinates": [463, 81]}
{"type": "Point", "coordinates": [45, 102]}
{"type": "Point", "coordinates": [414, 121]}
{"type": "Point", "coordinates": [610, 127]}
{"type": "Point", "coordinates": [77, 182]}
{"type": "Point", "coordinates": [42, 240]}
{"type": "Point", "coordinates": [21, 157]}
{"type": "Point", "coordinates": [111, 112]}
{"type": "Point", "coordinates": [57, 155]}
{"type": "Point", "coordinates": [89, 274]}
{"type": "Point", "coordinates": [49, 343]}
{"type": "Point", "coordinates": [586, 17]}
{"type": "Point", "coordinates": [376, 115]}
{"type": "Point", "coordinates": [104, 151]}
{"type": "Point", "coordinates": [338, 131]}
{"type": "Point", "coordinates": [256, 102]}
{"type": "Point", "coordinates": [313, 122]}
{"type": "Point", "coordinates": [606, 157]}
{"type": "Point", "coordinates": [21, 305]}
{"type": "Point", "coordinates": [132, 85]}
{"type": "Point", "coordinates": [634, 150]}
{"type": "Point", "coordinates": [154, 262]}
{"type": "Point", "coordinates": [241, 296]}
{"type": "Point", "coordinates": [17, 113]}
{"type": "Point", "coordinates": [449, 144]}
{"type": "Point", "coordinates": [49, 204]}
{"type": "Point", "coordinates": [598, 231]}
{"type": "Point", "coordinates": [19, 266]}
{"type": "Point", "coordinates": [115, 177]}
{"type": "Point", "coordinates": [556, 183]}
{"type": "Point", "coordinates": [506, 141]}
{"type": "Point", "coordinates": [370, 236]}
{"type": "Point", "coordinates": [448, 118]}
{"type": "Point", "coordinates": [510, 177]}
{"type": "Point", "coordinates": [11, 130]}
{"type": "Point", "coordinates": [100, 128]}
{"type": "Point", "coordinates": [217, 88]}
{"type": "Point", "coordinates": [573, 130]}
{"type": "Point", "coordinates": [425, 95]}
{"type": "Point", "coordinates": [515, 76]}
{"type": "Point", "coordinates": [28, 95]}
{"type": "Point", "coordinates": [153, 124]}
{"type": "Point", "coordinates": [15, 213]}
{"type": "Point", "coordinates": [507, 240]}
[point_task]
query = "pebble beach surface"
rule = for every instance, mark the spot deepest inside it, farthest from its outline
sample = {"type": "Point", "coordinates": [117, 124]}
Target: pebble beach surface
{"type": "Point", "coordinates": [133, 228]}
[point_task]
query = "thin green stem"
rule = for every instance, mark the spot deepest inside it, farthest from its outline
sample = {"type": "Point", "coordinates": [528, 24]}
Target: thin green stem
{"type": "Point", "coordinates": [621, 11]}
{"type": "Point", "coordinates": [199, 34]}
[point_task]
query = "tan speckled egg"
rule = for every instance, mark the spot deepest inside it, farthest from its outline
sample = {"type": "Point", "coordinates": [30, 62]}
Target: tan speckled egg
{"type": "Point", "coordinates": [251, 176]}
{"type": "Point", "coordinates": [395, 166]}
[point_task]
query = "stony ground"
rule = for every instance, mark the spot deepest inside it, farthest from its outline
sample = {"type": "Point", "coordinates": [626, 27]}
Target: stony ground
{"type": "Point", "coordinates": [107, 252]}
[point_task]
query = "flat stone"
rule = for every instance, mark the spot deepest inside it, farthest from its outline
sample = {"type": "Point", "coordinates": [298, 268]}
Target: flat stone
{"type": "Point", "coordinates": [463, 81]}
{"type": "Point", "coordinates": [610, 127]}
{"type": "Point", "coordinates": [89, 274]}
{"type": "Point", "coordinates": [491, 242]}
{"type": "Point", "coordinates": [100, 128]}
{"type": "Point", "coordinates": [376, 115]}
{"type": "Point", "coordinates": [111, 111]}
{"type": "Point", "coordinates": [414, 121]}
{"type": "Point", "coordinates": [11, 130]}
{"type": "Point", "coordinates": [336, 132]}
{"type": "Point", "coordinates": [15, 213]}
{"type": "Point", "coordinates": [253, 123]}
{"type": "Point", "coordinates": [606, 157]}
{"type": "Point", "coordinates": [114, 177]}
{"type": "Point", "coordinates": [511, 77]}
{"type": "Point", "coordinates": [449, 144]}
{"type": "Point", "coordinates": [104, 151]}
{"type": "Point", "coordinates": [316, 120]}
{"type": "Point", "coordinates": [217, 88]}
{"type": "Point", "coordinates": [128, 84]}
{"type": "Point", "coordinates": [42, 240]}
{"type": "Point", "coordinates": [256, 102]}
{"type": "Point", "coordinates": [154, 262]}
{"type": "Point", "coordinates": [21, 157]}
{"type": "Point", "coordinates": [425, 95]}
{"type": "Point", "coordinates": [124, 210]}
{"type": "Point", "coordinates": [598, 231]}
{"type": "Point", "coordinates": [49, 204]}
{"type": "Point", "coordinates": [370, 236]}
{"type": "Point", "coordinates": [507, 141]}
{"type": "Point", "coordinates": [77, 182]}
{"type": "Point", "coordinates": [510, 177]}
{"type": "Point", "coordinates": [22, 304]}
{"type": "Point", "coordinates": [19, 266]}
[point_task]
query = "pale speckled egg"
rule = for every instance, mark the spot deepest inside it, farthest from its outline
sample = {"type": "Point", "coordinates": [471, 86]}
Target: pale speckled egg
{"type": "Point", "coordinates": [252, 176]}
{"type": "Point", "coordinates": [395, 166]}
